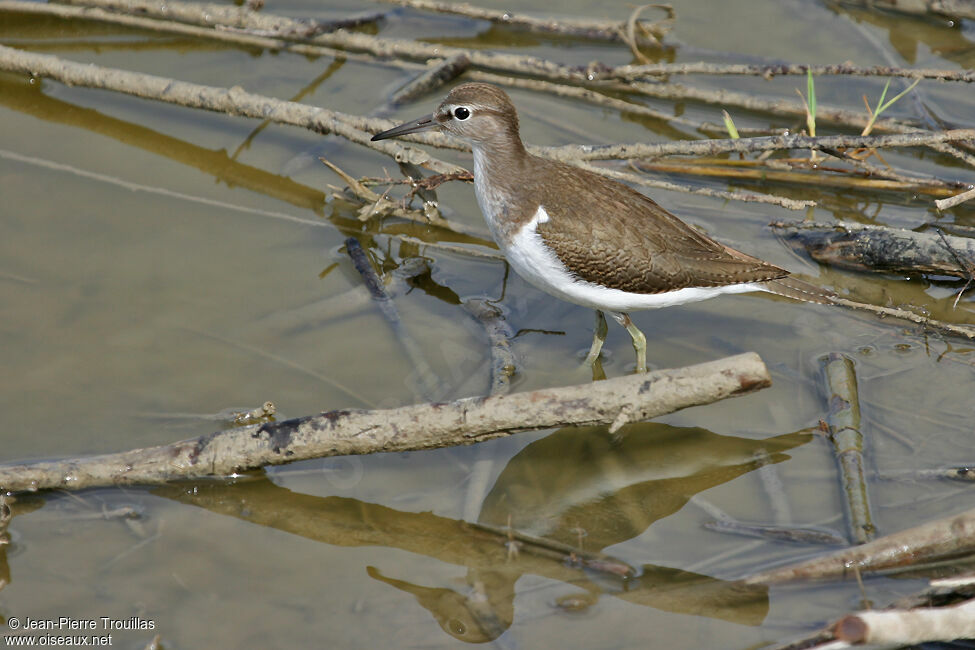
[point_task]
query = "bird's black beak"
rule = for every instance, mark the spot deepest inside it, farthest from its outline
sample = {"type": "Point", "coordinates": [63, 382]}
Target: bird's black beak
{"type": "Point", "coordinates": [424, 123]}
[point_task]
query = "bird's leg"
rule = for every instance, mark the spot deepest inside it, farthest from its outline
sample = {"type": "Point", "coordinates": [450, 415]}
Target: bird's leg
{"type": "Point", "coordinates": [598, 338]}
{"type": "Point", "coordinates": [639, 340]}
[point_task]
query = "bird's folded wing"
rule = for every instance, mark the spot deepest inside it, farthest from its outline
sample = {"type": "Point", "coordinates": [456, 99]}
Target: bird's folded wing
{"type": "Point", "coordinates": [628, 242]}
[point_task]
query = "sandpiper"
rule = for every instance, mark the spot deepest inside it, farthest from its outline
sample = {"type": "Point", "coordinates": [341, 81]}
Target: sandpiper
{"type": "Point", "coordinates": [585, 238]}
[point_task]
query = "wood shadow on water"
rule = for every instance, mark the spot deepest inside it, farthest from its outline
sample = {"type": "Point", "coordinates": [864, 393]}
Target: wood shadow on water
{"type": "Point", "coordinates": [573, 479]}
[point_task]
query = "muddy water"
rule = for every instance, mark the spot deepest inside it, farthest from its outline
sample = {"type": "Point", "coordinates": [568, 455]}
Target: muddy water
{"type": "Point", "coordinates": [160, 265]}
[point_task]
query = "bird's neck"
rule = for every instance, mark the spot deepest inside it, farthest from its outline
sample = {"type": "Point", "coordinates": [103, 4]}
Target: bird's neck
{"type": "Point", "coordinates": [499, 169]}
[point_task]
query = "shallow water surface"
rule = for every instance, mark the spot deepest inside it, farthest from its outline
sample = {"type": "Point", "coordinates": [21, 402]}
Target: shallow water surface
{"type": "Point", "coordinates": [160, 264]}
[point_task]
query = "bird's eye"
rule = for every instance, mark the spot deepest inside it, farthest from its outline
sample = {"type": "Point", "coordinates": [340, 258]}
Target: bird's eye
{"type": "Point", "coordinates": [462, 113]}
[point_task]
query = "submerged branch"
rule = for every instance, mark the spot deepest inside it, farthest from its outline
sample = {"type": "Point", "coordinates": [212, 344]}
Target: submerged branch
{"type": "Point", "coordinates": [843, 420]}
{"type": "Point", "coordinates": [422, 426]}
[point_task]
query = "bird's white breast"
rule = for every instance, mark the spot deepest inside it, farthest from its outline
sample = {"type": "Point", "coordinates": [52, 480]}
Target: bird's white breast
{"type": "Point", "coordinates": [538, 264]}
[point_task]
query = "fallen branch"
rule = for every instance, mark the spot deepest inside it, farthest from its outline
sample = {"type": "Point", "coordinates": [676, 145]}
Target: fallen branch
{"type": "Point", "coordinates": [603, 30]}
{"type": "Point", "coordinates": [434, 77]}
{"type": "Point", "coordinates": [776, 170]}
{"type": "Point", "coordinates": [949, 8]}
{"type": "Point", "coordinates": [903, 627]}
{"type": "Point", "coordinates": [265, 24]}
{"type": "Point", "coordinates": [864, 247]}
{"type": "Point", "coordinates": [232, 101]}
{"type": "Point", "coordinates": [933, 541]}
{"type": "Point", "coordinates": [958, 199]}
{"type": "Point", "coordinates": [843, 421]}
{"type": "Point", "coordinates": [423, 426]}
{"type": "Point", "coordinates": [904, 314]}
{"type": "Point", "coordinates": [752, 145]}
{"type": "Point", "coordinates": [772, 70]}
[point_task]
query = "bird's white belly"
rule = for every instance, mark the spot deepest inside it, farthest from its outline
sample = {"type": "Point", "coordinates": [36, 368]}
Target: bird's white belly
{"type": "Point", "coordinates": [538, 265]}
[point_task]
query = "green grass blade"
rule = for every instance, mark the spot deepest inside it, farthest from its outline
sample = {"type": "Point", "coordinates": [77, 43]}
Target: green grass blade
{"type": "Point", "coordinates": [883, 107]}
{"type": "Point", "coordinates": [730, 125]}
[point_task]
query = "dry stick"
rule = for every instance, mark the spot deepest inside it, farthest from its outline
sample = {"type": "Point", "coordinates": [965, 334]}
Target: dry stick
{"type": "Point", "coordinates": [844, 434]}
{"type": "Point", "coordinates": [908, 627]}
{"type": "Point", "coordinates": [929, 323]}
{"type": "Point", "coordinates": [198, 13]}
{"type": "Point", "coordinates": [944, 204]}
{"type": "Point", "coordinates": [421, 426]}
{"type": "Point", "coordinates": [208, 15]}
{"type": "Point", "coordinates": [232, 101]}
{"type": "Point", "coordinates": [584, 94]}
{"type": "Point", "coordinates": [240, 37]}
{"type": "Point", "coordinates": [604, 30]}
{"type": "Point", "coordinates": [761, 172]}
{"type": "Point", "coordinates": [235, 37]}
{"type": "Point", "coordinates": [275, 44]}
{"type": "Point", "coordinates": [870, 170]}
{"type": "Point", "coordinates": [944, 593]}
{"type": "Point", "coordinates": [936, 540]}
{"type": "Point", "coordinates": [729, 98]}
{"type": "Point", "coordinates": [436, 76]}
{"type": "Point", "coordinates": [771, 70]}
{"type": "Point", "coordinates": [752, 145]}
{"type": "Point", "coordinates": [864, 247]}
{"type": "Point", "coordinates": [235, 101]}
{"type": "Point", "coordinates": [951, 8]}
{"type": "Point", "coordinates": [791, 204]}
{"type": "Point", "coordinates": [430, 386]}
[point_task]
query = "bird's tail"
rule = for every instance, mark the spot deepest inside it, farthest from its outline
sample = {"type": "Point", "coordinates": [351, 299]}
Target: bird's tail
{"type": "Point", "coordinates": [796, 289]}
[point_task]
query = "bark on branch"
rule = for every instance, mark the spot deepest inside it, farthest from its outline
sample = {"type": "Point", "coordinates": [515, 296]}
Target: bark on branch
{"type": "Point", "coordinates": [232, 101]}
{"type": "Point", "coordinates": [933, 541]}
{"type": "Point", "coordinates": [422, 426]}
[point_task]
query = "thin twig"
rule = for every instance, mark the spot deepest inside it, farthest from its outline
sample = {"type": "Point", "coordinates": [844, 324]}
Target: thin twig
{"type": "Point", "coordinates": [944, 204]}
{"type": "Point", "coordinates": [751, 145]}
{"type": "Point", "coordinates": [769, 71]}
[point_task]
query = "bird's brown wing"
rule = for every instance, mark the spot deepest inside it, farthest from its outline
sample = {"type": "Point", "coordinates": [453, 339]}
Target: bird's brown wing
{"type": "Point", "coordinates": [620, 238]}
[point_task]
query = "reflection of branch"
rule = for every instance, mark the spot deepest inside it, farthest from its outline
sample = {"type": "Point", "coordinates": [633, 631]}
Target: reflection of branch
{"type": "Point", "coordinates": [423, 426]}
{"type": "Point", "coordinates": [349, 522]}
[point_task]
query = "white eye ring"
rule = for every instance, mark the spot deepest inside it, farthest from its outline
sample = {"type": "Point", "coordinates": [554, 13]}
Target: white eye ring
{"type": "Point", "coordinates": [462, 113]}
